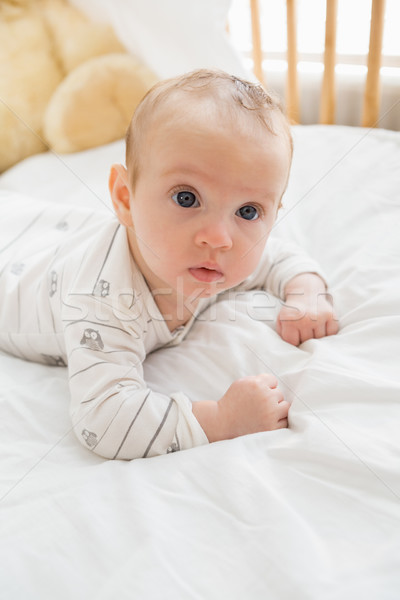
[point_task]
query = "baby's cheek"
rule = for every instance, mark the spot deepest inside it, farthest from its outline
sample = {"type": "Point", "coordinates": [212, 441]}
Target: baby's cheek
{"type": "Point", "coordinates": [245, 265]}
{"type": "Point", "coordinates": [252, 256]}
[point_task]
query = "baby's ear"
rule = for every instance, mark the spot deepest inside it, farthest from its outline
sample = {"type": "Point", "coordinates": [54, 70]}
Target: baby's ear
{"type": "Point", "coordinates": [120, 194]}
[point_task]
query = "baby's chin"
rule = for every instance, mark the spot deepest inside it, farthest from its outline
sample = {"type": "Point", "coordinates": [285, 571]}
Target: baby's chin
{"type": "Point", "coordinates": [209, 290]}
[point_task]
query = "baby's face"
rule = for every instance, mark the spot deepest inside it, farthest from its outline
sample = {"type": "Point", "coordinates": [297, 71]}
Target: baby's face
{"type": "Point", "coordinates": [204, 204]}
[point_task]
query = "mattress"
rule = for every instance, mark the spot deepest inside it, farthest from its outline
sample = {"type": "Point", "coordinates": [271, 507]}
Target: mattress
{"type": "Point", "coordinates": [309, 512]}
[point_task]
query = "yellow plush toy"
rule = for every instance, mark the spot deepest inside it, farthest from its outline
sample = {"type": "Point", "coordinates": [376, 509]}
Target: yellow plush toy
{"type": "Point", "coordinates": [66, 83]}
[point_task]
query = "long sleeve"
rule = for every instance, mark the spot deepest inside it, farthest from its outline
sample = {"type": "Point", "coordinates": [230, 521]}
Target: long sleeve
{"type": "Point", "coordinates": [110, 325]}
{"type": "Point", "coordinates": [114, 413]}
{"type": "Point", "coordinates": [280, 262]}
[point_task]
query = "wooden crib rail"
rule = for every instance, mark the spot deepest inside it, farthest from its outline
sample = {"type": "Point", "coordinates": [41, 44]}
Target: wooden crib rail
{"type": "Point", "coordinates": [256, 38]}
{"type": "Point", "coordinates": [328, 97]}
{"type": "Point", "coordinates": [371, 101]}
{"type": "Point", "coordinates": [372, 87]}
{"type": "Point", "coordinates": [292, 94]}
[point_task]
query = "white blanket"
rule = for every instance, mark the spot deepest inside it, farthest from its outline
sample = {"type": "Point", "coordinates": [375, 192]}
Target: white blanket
{"type": "Point", "coordinates": [311, 512]}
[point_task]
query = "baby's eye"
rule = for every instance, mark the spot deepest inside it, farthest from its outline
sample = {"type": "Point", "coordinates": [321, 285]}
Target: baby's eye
{"type": "Point", "coordinates": [185, 199]}
{"type": "Point", "coordinates": [250, 213]}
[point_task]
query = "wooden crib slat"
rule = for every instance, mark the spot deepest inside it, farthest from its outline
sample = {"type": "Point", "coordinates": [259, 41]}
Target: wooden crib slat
{"type": "Point", "coordinates": [328, 101]}
{"type": "Point", "coordinates": [256, 38]}
{"type": "Point", "coordinates": [292, 89]}
{"type": "Point", "coordinates": [371, 104]}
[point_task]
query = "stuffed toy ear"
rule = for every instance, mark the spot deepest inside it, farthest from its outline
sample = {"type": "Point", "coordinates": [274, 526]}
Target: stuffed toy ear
{"type": "Point", "coordinates": [95, 102]}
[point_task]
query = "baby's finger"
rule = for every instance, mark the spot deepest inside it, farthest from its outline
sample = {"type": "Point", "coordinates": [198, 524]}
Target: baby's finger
{"type": "Point", "coordinates": [332, 327]}
{"type": "Point", "coordinates": [276, 395]}
{"type": "Point", "coordinates": [283, 409]}
{"type": "Point", "coordinates": [306, 333]}
{"type": "Point", "coordinates": [290, 334]}
{"type": "Point", "coordinates": [282, 424]}
{"type": "Point", "coordinates": [269, 380]}
{"type": "Point", "coordinates": [320, 330]}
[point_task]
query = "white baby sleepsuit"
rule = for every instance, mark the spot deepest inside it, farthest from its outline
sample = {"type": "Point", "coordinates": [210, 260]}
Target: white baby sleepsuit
{"type": "Point", "coordinates": [71, 294]}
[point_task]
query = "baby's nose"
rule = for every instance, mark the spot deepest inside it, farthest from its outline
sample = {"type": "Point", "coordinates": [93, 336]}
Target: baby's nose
{"type": "Point", "coordinates": [215, 234]}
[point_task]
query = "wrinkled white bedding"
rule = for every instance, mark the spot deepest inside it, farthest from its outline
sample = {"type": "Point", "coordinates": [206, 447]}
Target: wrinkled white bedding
{"type": "Point", "coordinates": [312, 512]}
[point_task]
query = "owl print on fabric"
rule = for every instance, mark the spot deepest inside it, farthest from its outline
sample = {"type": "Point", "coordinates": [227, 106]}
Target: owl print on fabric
{"type": "Point", "coordinates": [102, 288]}
{"type": "Point", "coordinates": [92, 339]}
{"type": "Point", "coordinates": [53, 279]}
{"type": "Point", "coordinates": [89, 437]}
{"type": "Point", "coordinates": [174, 447]}
{"type": "Point", "coordinates": [17, 268]}
{"type": "Point", "coordinates": [62, 225]}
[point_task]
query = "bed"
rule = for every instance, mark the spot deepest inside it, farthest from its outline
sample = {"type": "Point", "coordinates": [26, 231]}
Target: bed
{"type": "Point", "coordinates": [307, 513]}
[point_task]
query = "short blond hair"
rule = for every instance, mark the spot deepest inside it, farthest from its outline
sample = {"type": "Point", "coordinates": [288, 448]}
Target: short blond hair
{"type": "Point", "coordinates": [235, 94]}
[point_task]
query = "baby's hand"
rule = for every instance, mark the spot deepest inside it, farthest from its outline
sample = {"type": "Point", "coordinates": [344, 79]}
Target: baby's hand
{"type": "Point", "coordinates": [308, 312]}
{"type": "Point", "coordinates": [250, 405]}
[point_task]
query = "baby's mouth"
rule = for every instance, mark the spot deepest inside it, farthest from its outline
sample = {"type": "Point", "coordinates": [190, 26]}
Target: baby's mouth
{"type": "Point", "coordinates": [206, 274]}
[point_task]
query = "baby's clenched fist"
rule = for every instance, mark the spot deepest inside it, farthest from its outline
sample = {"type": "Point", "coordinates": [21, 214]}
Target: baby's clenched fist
{"type": "Point", "coordinates": [252, 404]}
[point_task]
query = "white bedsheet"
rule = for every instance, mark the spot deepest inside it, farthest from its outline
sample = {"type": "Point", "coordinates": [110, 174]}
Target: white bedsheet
{"type": "Point", "coordinates": [312, 512]}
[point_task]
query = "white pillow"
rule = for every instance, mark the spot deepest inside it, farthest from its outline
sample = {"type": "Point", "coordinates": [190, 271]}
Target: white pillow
{"type": "Point", "coordinates": [171, 36]}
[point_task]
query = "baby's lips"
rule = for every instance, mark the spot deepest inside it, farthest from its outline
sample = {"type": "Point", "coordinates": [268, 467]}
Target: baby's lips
{"type": "Point", "coordinates": [206, 274]}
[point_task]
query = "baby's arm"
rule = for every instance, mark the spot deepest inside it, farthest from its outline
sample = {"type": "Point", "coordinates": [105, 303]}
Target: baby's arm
{"type": "Point", "coordinates": [308, 310]}
{"type": "Point", "coordinates": [114, 413]}
{"type": "Point", "coordinates": [250, 405]}
{"type": "Point", "coordinates": [291, 275]}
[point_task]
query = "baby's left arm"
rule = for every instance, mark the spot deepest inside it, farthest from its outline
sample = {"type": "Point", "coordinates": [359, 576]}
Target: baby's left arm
{"type": "Point", "coordinates": [308, 310]}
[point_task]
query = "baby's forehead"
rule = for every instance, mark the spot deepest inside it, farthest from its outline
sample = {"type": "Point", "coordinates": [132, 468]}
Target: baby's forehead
{"type": "Point", "coordinates": [186, 106]}
{"type": "Point", "coordinates": [210, 100]}
{"type": "Point", "coordinates": [217, 112]}
{"type": "Point", "coordinates": [165, 113]}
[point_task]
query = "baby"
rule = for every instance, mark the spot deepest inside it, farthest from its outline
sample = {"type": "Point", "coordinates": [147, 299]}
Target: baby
{"type": "Point", "coordinates": [207, 162]}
